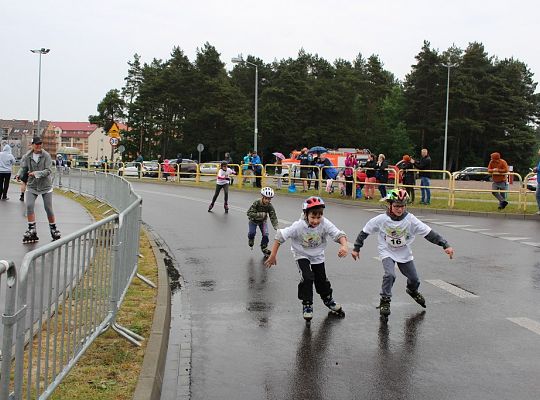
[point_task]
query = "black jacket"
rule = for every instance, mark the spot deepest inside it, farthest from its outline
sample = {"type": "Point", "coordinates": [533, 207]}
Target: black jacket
{"type": "Point", "coordinates": [424, 163]}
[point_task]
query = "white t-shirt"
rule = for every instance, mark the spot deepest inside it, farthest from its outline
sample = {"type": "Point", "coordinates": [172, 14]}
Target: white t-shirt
{"type": "Point", "coordinates": [308, 242]}
{"type": "Point", "coordinates": [223, 176]}
{"type": "Point", "coordinates": [395, 237]}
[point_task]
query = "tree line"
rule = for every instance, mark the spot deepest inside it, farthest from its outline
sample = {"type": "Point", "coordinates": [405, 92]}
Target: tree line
{"type": "Point", "coordinates": [169, 106]}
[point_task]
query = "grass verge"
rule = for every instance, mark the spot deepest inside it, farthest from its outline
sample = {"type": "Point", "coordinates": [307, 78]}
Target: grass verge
{"type": "Point", "coordinates": [110, 367]}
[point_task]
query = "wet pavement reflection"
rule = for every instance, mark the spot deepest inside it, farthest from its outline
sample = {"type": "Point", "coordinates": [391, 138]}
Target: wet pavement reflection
{"type": "Point", "coordinates": [396, 362]}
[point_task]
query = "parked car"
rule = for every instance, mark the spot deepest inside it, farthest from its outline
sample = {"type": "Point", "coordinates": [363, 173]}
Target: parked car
{"type": "Point", "coordinates": [151, 168]}
{"type": "Point", "coordinates": [532, 183]}
{"type": "Point", "coordinates": [473, 174]}
{"type": "Point", "coordinates": [188, 167]}
{"type": "Point", "coordinates": [210, 167]}
{"type": "Point", "coordinates": [131, 169]}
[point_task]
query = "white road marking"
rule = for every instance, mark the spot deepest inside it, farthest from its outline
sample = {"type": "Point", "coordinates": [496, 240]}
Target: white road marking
{"type": "Point", "coordinates": [475, 229]}
{"type": "Point", "coordinates": [443, 222]}
{"type": "Point", "coordinates": [527, 323]}
{"type": "Point", "coordinates": [458, 226]}
{"type": "Point", "coordinates": [515, 239]}
{"type": "Point", "coordinates": [532, 244]}
{"type": "Point", "coordinates": [451, 288]}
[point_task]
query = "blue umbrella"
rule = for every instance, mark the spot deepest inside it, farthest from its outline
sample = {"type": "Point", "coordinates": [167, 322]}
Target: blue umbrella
{"type": "Point", "coordinates": [318, 149]}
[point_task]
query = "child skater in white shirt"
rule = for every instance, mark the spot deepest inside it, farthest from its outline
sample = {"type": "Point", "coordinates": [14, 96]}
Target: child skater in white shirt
{"type": "Point", "coordinates": [396, 230]}
{"type": "Point", "coordinates": [308, 240]}
{"type": "Point", "coordinates": [222, 182]}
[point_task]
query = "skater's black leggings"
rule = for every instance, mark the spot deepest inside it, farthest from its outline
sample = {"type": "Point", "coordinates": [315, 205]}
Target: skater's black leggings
{"type": "Point", "coordinates": [225, 188]}
{"type": "Point", "coordinates": [4, 183]}
{"type": "Point", "coordinates": [312, 273]}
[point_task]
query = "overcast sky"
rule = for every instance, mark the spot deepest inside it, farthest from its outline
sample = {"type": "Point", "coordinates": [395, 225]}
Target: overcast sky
{"type": "Point", "coordinates": [92, 41]}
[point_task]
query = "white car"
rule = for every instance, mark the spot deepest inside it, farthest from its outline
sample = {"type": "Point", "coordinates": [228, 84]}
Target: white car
{"type": "Point", "coordinates": [532, 183]}
{"type": "Point", "coordinates": [131, 169]}
{"type": "Point", "coordinates": [210, 167]}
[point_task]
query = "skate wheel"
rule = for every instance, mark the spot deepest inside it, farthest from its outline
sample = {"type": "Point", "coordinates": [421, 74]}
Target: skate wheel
{"type": "Point", "coordinates": [308, 323]}
{"type": "Point", "coordinates": [340, 314]}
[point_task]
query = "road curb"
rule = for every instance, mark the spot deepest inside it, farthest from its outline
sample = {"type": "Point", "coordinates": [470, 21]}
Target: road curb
{"type": "Point", "coordinates": [149, 384]}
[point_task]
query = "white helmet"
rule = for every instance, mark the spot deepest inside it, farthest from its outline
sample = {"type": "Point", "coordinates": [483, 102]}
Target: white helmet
{"type": "Point", "coordinates": [267, 192]}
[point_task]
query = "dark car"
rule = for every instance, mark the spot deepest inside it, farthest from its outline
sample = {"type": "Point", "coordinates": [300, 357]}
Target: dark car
{"type": "Point", "coordinates": [473, 174]}
{"type": "Point", "coordinates": [188, 168]}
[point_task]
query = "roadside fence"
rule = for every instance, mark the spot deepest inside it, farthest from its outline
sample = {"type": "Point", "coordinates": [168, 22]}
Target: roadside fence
{"type": "Point", "coordinates": [312, 176]}
{"type": "Point", "coordinates": [68, 292]}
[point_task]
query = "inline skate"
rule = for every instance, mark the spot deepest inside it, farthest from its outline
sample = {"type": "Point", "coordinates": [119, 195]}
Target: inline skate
{"type": "Point", "coordinates": [308, 313]}
{"type": "Point", "coordinates": [226, 206]}
{"type": "Point", "coordinates": [266, 251]}
{"type": "Point", "coordinates": [335, 308]}
{"type": "Point", "coordinates": [417, 296]}
{"type": "Point", "coordinates": [30, 236]}
{"type": "Point", "coordinates": [55, 233]}
{"type": "Point", "coordinates": [384, 308]}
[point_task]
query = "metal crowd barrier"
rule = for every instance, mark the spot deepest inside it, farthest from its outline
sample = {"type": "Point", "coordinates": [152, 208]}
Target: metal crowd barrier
{"type": "Point", "coordinates": [68, 292]}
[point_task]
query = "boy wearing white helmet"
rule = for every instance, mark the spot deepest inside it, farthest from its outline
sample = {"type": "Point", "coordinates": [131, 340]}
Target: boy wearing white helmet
{"type": "Point", "coordinates": [258, 215]}
{"type": "Point", "coordinates": [308, 241]}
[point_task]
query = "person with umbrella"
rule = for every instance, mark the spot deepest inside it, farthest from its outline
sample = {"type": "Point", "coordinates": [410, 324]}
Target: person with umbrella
{"type": "Point", "coordinates": [305, 160]}
{"type": "Point", "coordinates": [279, 159]}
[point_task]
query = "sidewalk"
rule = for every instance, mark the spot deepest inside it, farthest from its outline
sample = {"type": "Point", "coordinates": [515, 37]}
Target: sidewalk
{"type": "Point", "coordinates": [70, 217]}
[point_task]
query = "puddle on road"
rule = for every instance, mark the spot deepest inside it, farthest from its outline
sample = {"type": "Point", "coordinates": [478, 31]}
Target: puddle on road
{"type": "Point", "coordinates": [207, 285]}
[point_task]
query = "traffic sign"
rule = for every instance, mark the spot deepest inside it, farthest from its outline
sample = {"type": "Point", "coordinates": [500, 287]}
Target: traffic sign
{"type": "Point", "coordinates": [113, 141]}
{"type": "Point", "coordinates": [114, 131]}
{"type": "Point", "coordinates": [200, 147]}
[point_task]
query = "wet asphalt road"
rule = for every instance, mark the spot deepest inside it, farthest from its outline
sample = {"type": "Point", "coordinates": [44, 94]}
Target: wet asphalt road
{"type": "Point", "coordinates": [249, 341]}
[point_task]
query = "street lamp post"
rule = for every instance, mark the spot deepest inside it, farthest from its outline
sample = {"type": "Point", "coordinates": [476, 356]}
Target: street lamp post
{"type": "Point", "coordinates": [240, 60]}
{"type": "Point", "coordinates": [446, 120]}
{"type": "Point", "coordinates": [40, 52]}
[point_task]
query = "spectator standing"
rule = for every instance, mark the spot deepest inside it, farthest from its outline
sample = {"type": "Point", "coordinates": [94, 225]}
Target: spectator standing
{"type": "Point", "coordinates": [350, 165]}
{"type": "Point", "coordinates": [424, 164]}
{"type": "Point", "coordinates": [381, 174]}
{"type": "Point", "coordinates": [278, 172]}
{"type": "Point", "coordinates": [139, 160]}
{"type": "Point", "coordinates": [498, 168]}
{"type": "Point", "coordinates": [406, 165]}
{"type": "Point", "coordinates": [6, 165]}
{"type": "Point", "coordinates": [60, 167]}
{"type": "Point", "coordinates": [257, 168]}
{"type": "Point", "coordinates": [161, 166]}
{"type": "Point", "coordinates": [179, 161]}
{"type": "Point", "coordinates": [228, 159]}
{"type": "Point", "coordinates": [537, 170]}
{"type": "Point", "coordinates": [39, 166]}
{"type": "Point", "coordinates": [246, 167]}
{"type": "Point", "coordinates": [370, 166]}
{"type": "Point", "coordinates": [305, 160]}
